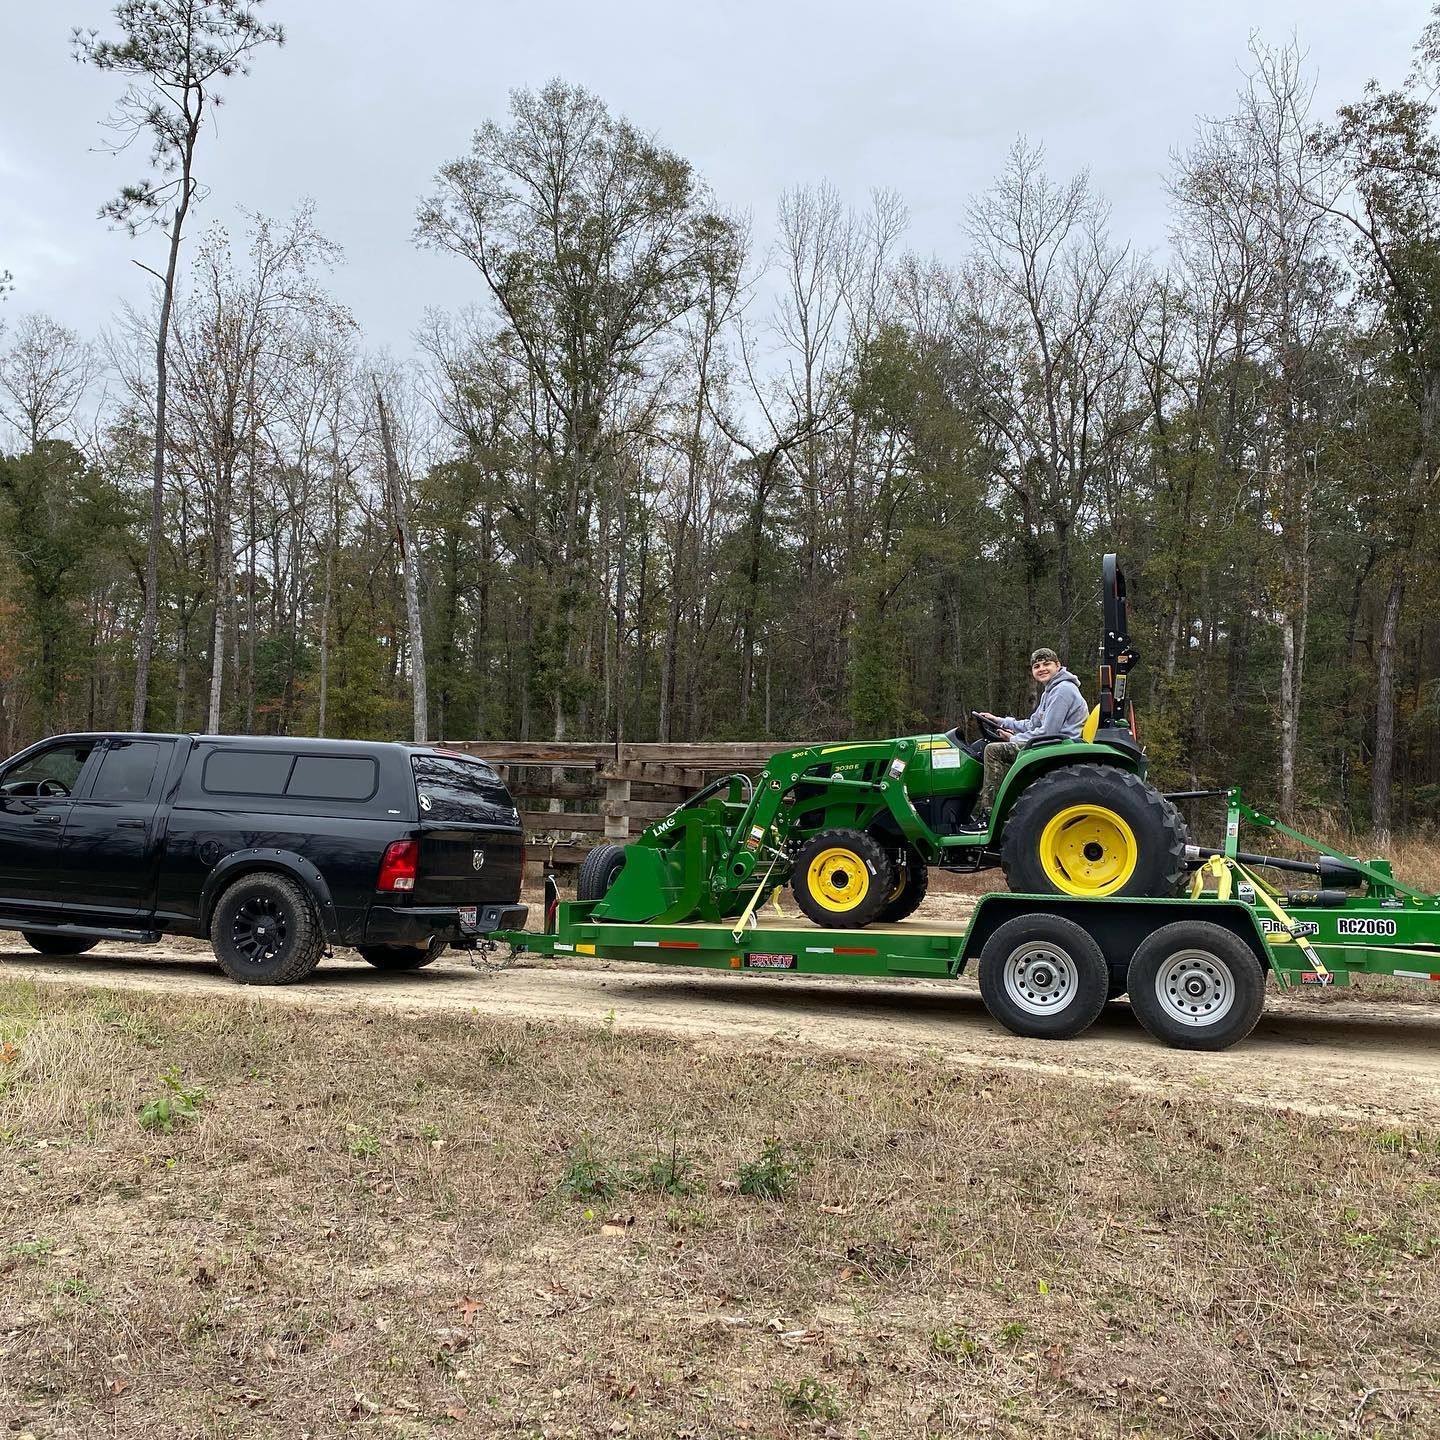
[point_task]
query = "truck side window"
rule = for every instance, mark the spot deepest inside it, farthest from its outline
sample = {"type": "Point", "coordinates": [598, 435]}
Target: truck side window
{"type": "Point", "coordinates": [247, 772]}
{"type": "Point", "coordinates": [51, 772]}
{"type": "Point", "coordinates": [127, 770]}
{"type": "Point", "coordinates": [334, 777]}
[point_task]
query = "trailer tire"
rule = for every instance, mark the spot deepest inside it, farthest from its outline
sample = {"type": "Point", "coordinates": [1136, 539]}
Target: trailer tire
{"type": "Point", "coordinates": [404, 957]}
{"type": "Point", "coordinates": [1092, 829]}
{"type": "Point", "coordinates": [56, 944]}
{"type": "Point", "coordinates": [598, 871]}
{"type": "Point", "coordinates": [1044, 977]}
{"type": "Point", "coordinates": [1196, 986]}
{"type": "Point", "coordinates": [843, 879]}
{"type": "Point", "coordinates": [264, 930]}
{"type": "Point", "coordinates": [912, 881]}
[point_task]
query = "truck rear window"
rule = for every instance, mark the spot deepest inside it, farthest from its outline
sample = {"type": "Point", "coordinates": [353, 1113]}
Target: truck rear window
{"type": "Point", "coordinates": [455, 787]}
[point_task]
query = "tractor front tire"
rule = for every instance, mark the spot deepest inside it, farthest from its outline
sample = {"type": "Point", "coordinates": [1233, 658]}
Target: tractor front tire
{"type": "Point", "coordinates": [912, 881]}
{"type": "Point", "coordinates": [843, 879]}
{"type": "Point", "coordinates": [598, 871]}
{"type": "Point", "coordinates": [1092, 830]}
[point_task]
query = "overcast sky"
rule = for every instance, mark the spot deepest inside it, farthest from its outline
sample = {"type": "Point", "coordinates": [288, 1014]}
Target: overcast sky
{"type": "Point", "coordinates": [369, 97]}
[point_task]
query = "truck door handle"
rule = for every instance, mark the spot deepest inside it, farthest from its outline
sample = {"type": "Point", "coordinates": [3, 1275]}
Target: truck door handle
{"type": "Point", "coordinates": [129, 824]}
{"type": "Point", "coordinates": [47, 819]}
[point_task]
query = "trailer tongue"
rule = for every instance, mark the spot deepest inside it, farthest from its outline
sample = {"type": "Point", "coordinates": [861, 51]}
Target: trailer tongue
{"type": "Point", "coordinates": [1194, 965]}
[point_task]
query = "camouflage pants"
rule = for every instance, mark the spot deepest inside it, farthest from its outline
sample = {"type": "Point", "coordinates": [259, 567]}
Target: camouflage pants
{"type": "Point", "coordinates": [1000, 755]}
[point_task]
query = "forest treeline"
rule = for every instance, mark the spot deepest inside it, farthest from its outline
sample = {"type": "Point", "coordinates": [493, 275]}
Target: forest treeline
{"type": "Point", "coordinates": [650, 480]}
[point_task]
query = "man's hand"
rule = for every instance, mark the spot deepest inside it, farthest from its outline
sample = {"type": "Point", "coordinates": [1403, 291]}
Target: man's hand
{"type": "Point", "coordinates": [986, 715]}
{"type": "Point", "coordinates": [1007, 734]}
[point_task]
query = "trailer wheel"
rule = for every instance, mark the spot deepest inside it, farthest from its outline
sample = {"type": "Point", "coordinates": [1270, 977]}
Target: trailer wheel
{"type": "Point", "coordinates": [1196, 986]}
{"type": "Point", "coordinates": [404, 957]}
{"type": "Point", "coordinates": [1092, 829]}
{"type": "Point", "coordinates": [843, 878]}
{"type": "Point", "coordinates": [56, 944]}
{"type": "Point", "coordinates": [1043, 976]}
{"type": "Point", "coordinates": [264, 930]}
{"type": "Point", "coordinates": [912, 881]}
{"type": "Point", "coordinates": [598, 871]}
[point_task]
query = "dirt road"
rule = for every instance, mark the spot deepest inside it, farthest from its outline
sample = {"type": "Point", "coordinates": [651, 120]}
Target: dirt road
{"type": "Point", "coordinates": [1365, 1060]}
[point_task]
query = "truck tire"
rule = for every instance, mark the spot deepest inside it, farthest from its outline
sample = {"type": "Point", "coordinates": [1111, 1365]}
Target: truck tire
{"type": "Point", "coordinates": [1044, 977]}
{"type": "Point", "coordinates": [404, 957]}
{"type": "Point", "coordinates": [264, 930]}
{"type": "Point", "coordinates": [598, 871]}
{"type": "Point", "coordinates": [1092, 830]}
{"type": "Point", "coordinates": [1196, 986]}
{"type": "Point", "coordinates": [842, 878]}
{"type": "Point", "coordinates": [912, 880]}
{"type": "Point", "coordinates": [56, 944]}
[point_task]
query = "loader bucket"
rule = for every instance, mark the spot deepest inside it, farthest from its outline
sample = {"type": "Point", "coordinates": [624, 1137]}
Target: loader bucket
{"type": "Point", "coordinates": [646, 887]}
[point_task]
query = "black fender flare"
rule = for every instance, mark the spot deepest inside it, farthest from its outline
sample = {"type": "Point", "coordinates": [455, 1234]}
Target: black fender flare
{"type": "Point", "coordinates": [285, 862]}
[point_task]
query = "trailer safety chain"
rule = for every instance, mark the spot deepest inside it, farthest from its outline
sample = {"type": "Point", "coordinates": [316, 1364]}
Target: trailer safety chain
{"type": "Point", "coordinates": [1221, 868]}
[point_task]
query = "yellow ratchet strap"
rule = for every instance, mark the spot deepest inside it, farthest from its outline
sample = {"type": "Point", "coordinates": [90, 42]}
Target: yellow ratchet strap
{"type": "Point", "coordinates": [761, 890]}
{"type": "Point", "coordinates": [1272, 905]}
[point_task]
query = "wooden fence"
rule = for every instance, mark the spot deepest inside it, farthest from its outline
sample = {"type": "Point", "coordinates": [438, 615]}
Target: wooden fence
{"type": "Point", "coordinates": [573, 796]}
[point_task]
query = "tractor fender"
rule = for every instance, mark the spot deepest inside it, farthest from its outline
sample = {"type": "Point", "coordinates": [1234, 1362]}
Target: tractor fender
{"type": "Point", "coordinates": [1031, 763]}
{"type": "Point", "coordinates": [285, 862]}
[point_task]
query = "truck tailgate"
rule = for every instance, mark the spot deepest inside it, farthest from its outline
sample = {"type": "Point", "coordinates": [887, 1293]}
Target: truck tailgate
{"type": "Point", "coordinates": [468, 865]}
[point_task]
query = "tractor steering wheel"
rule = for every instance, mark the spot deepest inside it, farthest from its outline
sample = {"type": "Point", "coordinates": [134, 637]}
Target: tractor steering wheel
{"type": "Point", "coordinates": [988, 729]}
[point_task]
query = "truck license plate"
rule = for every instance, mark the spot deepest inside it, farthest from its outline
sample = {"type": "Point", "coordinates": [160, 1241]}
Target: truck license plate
{"type": "Point", "coordinates": [468, 916]}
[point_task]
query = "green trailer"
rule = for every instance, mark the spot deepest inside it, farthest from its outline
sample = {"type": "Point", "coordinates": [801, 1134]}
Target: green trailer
{"type": "Point", "coordinates": [1195, 965]}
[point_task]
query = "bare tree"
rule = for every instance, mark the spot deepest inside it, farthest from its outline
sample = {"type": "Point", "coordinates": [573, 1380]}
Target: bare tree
{"type": "Point", "coordinates": [43, 378]}
{"type": "Point", "coordinates": [409, 559]}
{"type": "Point", "coordinates": [174, 50]}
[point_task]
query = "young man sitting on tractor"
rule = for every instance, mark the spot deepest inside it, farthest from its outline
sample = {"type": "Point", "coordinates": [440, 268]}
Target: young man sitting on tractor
{"type": "Point", "coordinates": [1060, 714]}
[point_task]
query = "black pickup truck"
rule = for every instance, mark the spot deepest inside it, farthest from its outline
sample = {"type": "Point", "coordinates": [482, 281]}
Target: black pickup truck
{"type": "Point", "coordinates": [274, 849]}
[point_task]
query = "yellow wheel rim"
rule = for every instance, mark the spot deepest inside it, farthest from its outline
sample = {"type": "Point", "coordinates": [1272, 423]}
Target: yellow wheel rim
{"type": "Point", "coordinates": [1088, 850]}
{"type": "Point", "coordinates": [838, 879]}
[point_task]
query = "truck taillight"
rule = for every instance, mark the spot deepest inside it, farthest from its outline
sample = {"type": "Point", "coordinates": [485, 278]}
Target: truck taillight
{"type": "Point", "coordinates": [397, 868]}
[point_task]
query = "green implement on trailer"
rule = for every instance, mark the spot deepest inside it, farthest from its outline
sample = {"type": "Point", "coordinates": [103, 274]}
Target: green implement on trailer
{"type": "Point", "coordinates": [1195, 964]}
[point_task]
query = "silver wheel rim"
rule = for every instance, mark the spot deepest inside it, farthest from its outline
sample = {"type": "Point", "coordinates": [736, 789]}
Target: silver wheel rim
{"type": "Point", "coordinates": [1195, 987]}
{"type": "Point", "coordinates": [1040, 978]}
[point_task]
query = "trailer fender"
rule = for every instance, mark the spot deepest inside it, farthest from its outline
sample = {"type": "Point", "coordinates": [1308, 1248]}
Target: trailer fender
{"type": "Point", "coordinates": [1118, 926]}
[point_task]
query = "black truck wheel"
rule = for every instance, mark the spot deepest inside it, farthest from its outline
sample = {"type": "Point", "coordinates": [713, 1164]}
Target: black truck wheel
{"type": "Point", "coordinates": [1092, 830]}
{"type": "Point", "coordinates": [842, 878]}
{"type": "Point", "coordinates": [1196, 986]}
{"type": "Point", "coordinates": [912, 880]}
{"type": "Point", "coordinates": [264, 930]}
{"type": "Point", "coordinates": [56, 944]}
{"type": "Point", "coordinates": [404, 957]}
{"type": "Point", "coordinates": [598, 871]}
{"type": "Point", "coordinates": [1043, 976]}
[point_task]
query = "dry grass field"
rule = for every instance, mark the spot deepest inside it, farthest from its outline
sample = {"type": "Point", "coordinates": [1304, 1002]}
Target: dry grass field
{"type": "Point", "coordinates": [223, 1219]}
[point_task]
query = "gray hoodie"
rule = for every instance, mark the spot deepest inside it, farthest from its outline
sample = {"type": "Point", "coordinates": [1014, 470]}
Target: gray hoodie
{"type": "Point", "coordinates": [1061, 712]}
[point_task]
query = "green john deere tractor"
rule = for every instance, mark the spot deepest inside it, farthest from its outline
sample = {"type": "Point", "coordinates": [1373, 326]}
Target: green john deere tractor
{"type": "Point", "coordinates": [855, 828]}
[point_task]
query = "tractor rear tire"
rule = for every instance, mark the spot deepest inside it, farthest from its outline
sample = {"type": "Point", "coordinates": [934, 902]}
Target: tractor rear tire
{"type": "Point", "coordinates": [843, 879]}
{"type": "Point", "coordinates": [912, 880]}
{"type": "Point", "coordinates": [598, 871]}
{"type": "Point", "coordinates": [1092, 830]}
{"type": "Point", "coordinates": [1196, 986]}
